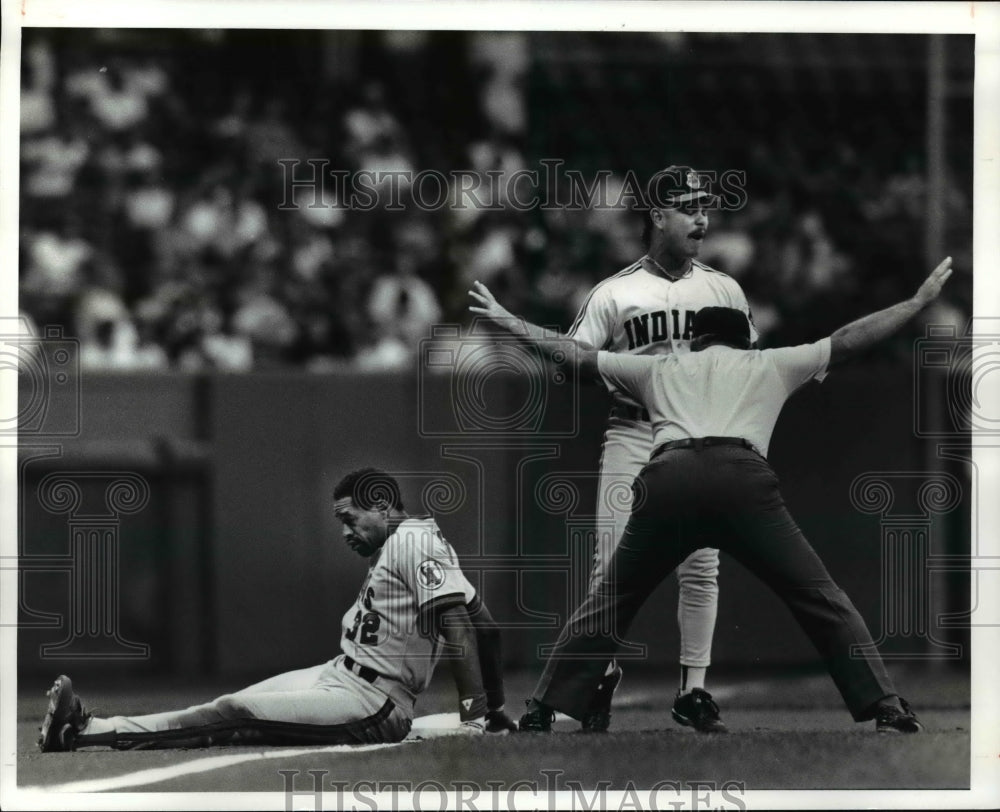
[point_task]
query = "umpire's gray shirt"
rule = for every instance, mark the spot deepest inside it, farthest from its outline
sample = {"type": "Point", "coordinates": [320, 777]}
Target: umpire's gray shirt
{"type": "Point", "coordinates": [717, 392]}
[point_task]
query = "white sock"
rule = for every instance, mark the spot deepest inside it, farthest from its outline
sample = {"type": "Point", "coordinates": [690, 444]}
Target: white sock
{"type": "Point", "coordinates": [692, 677]}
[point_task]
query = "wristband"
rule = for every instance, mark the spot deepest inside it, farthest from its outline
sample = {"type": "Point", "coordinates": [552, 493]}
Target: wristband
{"type": "Point", "coordinates": [472, 707]}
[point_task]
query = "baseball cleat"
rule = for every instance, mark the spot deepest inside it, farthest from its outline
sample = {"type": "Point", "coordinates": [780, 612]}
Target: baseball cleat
{"type": "Point", "coordinates": [538, 720]}
{"type": "Point", "coordinates": [65, 716]}
{"type": "Point", "coordinates": [890, 719]}
{"type": "Point", "coordinates": [57, 715]}
{"type": "Point", "coordinates": [598, 716]}
{"type": "Point", "coordinates": [698, 710]}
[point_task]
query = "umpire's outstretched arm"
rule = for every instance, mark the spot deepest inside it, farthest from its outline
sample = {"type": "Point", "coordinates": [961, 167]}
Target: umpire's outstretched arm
{"type": "Point", "coordinates": [859, 335]}
{"type": "Point", "coordinates": [845, 343]}
{"type": "Point", "coordinates": [581, 364]}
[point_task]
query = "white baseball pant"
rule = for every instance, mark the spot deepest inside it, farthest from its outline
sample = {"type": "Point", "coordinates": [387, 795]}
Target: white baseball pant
{"type": "Point", "coordinates": [626, 450]}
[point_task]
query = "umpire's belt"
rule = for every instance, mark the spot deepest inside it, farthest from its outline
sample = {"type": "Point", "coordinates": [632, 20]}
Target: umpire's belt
{"type": "Point", "coordinates": [363, 671]}
{"type": "Point", "coordinates": [698, 443]}
{"type": "Point", "coordinates": [628, 412]}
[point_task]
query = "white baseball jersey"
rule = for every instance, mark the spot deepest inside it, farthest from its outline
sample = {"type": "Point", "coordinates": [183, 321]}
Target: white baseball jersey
{"type": "Point", "coordinates": [414, 573]}
{"type": "Point", "coordinates": [719, 391]}
{"type": "Point", "coordinates": [641, 313]}
{"type": "Point", "coordinates": [645, 314]}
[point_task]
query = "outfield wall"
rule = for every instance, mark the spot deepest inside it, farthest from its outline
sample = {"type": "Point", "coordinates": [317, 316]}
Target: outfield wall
{"type": "Point", "coordinates": [235, 564]}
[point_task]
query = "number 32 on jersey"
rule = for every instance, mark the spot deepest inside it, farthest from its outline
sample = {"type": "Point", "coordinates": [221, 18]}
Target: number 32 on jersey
{"type": "Point", "coordinates": [367, 623]}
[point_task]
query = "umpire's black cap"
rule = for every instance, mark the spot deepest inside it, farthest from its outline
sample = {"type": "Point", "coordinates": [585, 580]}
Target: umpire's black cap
{"type": "Point", "coordinates": [722, 324]}
{"type": "Point", "coordinates": [677, 185]}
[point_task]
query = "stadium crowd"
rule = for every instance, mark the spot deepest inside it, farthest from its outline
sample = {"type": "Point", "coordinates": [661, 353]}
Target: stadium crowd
{"type": "Point", "coordinates": [158, 226]}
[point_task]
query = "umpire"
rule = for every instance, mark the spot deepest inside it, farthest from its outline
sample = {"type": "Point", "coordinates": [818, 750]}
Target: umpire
{"type": "Point", "coordinates": [707, 484]}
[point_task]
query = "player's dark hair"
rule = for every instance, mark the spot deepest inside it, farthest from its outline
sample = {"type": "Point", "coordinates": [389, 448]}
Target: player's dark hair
{"type": "Point", "coordinates": [369, 488]}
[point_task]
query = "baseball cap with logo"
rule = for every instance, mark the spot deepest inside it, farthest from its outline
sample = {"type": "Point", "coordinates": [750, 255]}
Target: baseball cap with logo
{"type": "Point", "coordinates": [678, 185]}
{"type": "Point", "coordinates": [723, 324]}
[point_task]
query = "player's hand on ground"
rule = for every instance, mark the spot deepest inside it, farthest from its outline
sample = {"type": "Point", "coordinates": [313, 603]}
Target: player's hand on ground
{"type": "Point", "coordinates": [487, 305]}
{"type": "Point", "coordinates": [497, 721]}
{"type": "Point", "coordinates": [932, 285]}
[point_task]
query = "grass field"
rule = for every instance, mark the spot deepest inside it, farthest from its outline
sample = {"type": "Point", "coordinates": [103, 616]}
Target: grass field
{"type": "Point", "coordinates": [784, 734]}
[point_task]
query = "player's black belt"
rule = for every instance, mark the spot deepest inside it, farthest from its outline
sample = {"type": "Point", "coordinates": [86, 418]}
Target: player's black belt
{"type": "Point", "coordinates": [698, 443]}
{"type": "Point", "coordinates": [363, 671]}
{"type": "Point", "coordinates": [627, 412]}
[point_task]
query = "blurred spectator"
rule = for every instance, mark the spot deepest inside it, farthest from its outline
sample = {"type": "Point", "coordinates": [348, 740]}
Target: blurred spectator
{"type": "Point", "coordinates": [233, 124]}
{"type": "Point", "coordinates": [266, 324]}
{"type": "Point", "coordinates": [386, 353]}
{"type": "Point", "coordinates": [809, 265]}
{"type": "Point", "coordinates": [729, 246]}
{"type": "Point", "coordinates": [153, 183]}
{"type": "Point", "coordinates": [57, 261]}
{"type": "Point", "coordinates": [402, 307]}
{"type": "Point", "coordinates": [224, 221]}
{"type": "Point", "coordinates": [319, 208]}
{"type": "Point", "coordinates": [116, 103]}
{"type": "Point", "coordinates": [38, 80]}
{"type": "Point", "coordinates": [108, 339]}
{"type": "Point", "coordinates": [488, 250]}
{"type": "Point", "coordinates": [53, 160]}
{"type": "Point", "coordinates": [149, 203]}
{"type": "Point", "coordinates": [369, 122]}
{"type": "Point", "coordinates": [504, 59]}
{"type": "Point", "coordinates": [270, 137]}
{"type": "Point", "coordinates": [228, 353]}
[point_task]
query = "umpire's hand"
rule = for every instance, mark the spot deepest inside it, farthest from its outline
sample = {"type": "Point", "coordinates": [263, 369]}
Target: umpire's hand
{"type": "Point", "coordinates": [487, 305]}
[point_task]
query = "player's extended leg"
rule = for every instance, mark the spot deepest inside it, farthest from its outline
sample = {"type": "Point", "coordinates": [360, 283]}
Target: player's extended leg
{"type": "Point", "coordinates": [653, 545]}
{"type": "Point", "coordinates": [778, 553]}
{"type": "Point", "coordinates": [767, 541]}
{"type": "Point", "coordinates": [320, 705]}
{"type": "Point", "coordinates": [301, 679]}
{"type": "Point", "coordinates": [623, 455]}
{"type": "Point", "coordinates": [697, 607]}
{"type": "Point", "coordinates": [620, 465]}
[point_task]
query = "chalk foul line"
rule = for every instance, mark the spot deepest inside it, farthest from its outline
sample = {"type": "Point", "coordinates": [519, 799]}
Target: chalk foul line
{"type": "Point", "coordinates": [200, 765]}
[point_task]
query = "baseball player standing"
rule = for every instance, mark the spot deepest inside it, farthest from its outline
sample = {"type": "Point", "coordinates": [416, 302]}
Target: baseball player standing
{"type": "Point", "coordinates": [647, 309]}
{"type": "Point", "coordinates": [415, 607]}
{"type": "Point", "coordinates": [713, 412]}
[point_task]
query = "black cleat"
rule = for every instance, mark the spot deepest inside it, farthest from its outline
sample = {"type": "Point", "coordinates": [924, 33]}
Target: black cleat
{"type": "Point", "coordinates": [598, 716]}
{"type": "Point", "coordinates": [538, 720]}
{"type": "Point", "coordinates": [890, 719]}
{"type": "Point", "coordinates": [698, 710]}
{"type": "Point", "coordinates": [65, 716]}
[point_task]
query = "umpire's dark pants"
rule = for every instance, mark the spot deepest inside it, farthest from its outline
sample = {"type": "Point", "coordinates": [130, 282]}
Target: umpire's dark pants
{"type": "Point", "coordinates": [723, 496]}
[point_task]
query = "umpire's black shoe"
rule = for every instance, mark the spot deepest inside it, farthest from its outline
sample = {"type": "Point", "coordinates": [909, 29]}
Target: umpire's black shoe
{"type": "Point", "coordinates": [890, 719]}
{"type": "Point", "coordinates": [65, 716]}
{"type": "Point", "coordinates": [538, 720]}
{"type": "Point", "coordinates": [598, 716]}
{"type": "Point", "coordinates": [698, 710]}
